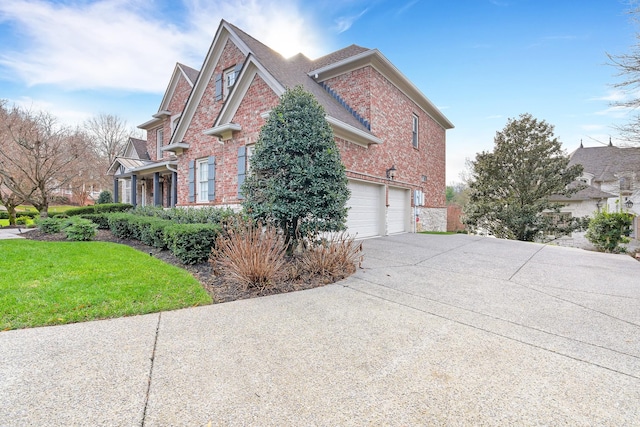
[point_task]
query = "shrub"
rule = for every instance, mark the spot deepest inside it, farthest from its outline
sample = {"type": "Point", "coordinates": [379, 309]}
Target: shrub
{"type": "Point", "coordinates": [81, 230]}
{"type": "Point", "coordinates": [22, 220]}
{"type": "Point", "coordinates": [121, 225]}
{"type": "Point", "coordinates": [151, 230]}
{"type": "Point", "coordinates": [608, 229]}
{"type": "Point", "coordinates": [106, 208]}
{"type": "Point", "coordinates": [4, 215]}
{"type": "Point", "coordinates": [191, 243]}
{"type": "Point", "coordinates": [50, 225]}
{"type": "Point", "coordinates": [250, 256]}
{"type": "Point", "coordinates": [204, 215]}
{"type": "Point", "coordinates": [104, 197]}
{"type": "Point", "coordinates": [100, 219]}
{"type": "Point", "coordinates": [28, 214]}
{"type": "Point", "coordinates": [332, 258]}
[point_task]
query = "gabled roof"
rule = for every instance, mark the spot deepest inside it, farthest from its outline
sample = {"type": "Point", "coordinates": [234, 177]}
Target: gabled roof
{"type": "Point", "coordinates": [140, 147]}
{"type": "Point", "coordinates": [589, 192]}
{"type": "Point", "coordinates": [190, 73]}
{"type": "Point", "coordinates": [608, 162]}
{"type": "Point", "coordinates": [179, 71]}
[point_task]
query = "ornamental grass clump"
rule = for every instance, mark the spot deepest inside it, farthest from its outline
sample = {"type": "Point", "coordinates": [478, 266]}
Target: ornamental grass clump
{"type": "Point", "coordinates": [250, 256]}
{"type": "Point", "coordinates": [332, 258]}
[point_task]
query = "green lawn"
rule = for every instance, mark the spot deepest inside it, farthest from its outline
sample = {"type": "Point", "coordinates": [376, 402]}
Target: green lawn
{"type": "Point", "coordinates": [51, 283]}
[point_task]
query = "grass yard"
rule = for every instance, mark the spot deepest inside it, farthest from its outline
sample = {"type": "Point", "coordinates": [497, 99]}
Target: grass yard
{"type": "Point", "coordinates": [52, 283]}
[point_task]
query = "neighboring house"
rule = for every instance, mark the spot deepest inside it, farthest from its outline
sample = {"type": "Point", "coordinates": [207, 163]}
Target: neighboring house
{"type": "Point", "coordinates": [612, 178]}
{"type": "Point", "coordinates": [390, 136]}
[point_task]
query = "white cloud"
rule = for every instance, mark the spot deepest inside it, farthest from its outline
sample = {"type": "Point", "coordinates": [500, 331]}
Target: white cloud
{"type": "Point", "coordinates": [612, 96]}
{"type": "Point", "coordinates": [124, 45]}
{"type": "Point", "coordinates": [616, 112]}
{"type": "Point", "coordinates": [64, 116]}
{"type": "Point", "coordinates": [343, 23]}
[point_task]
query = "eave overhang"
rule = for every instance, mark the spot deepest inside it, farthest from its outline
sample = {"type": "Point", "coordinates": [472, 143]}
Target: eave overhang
{"type": "Point", "coordinates": [150, 124]}
{"type": "Point", "coordinates": [224, 131]}
{"type": "Point", "coordinates": [352, 134]}
{"type": "Point", "coordinates": [177, 148]}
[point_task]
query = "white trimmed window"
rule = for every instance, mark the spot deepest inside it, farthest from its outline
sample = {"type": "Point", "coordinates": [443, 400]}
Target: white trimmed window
{"type": "Point", "coordinates": [414, 130]}
{"type": "Point", "coordinates": [202, 170]}
{"type": "Point", "coordinates": [229, 79]}
{"type": "Point", "coordinates": [159, 142]}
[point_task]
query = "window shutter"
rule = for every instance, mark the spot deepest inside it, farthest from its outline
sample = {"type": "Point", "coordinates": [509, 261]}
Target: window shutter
{"type": "Point", "coordinates": [218, 80]}
{"type": "Point", "coordinates": [242, 169]}
{"type": "Point", "coordinates": [211, 169]}
{"type": "Point", "coordinates": [237, 69]}
{"type": "Point", "coordinates": [192, 181]}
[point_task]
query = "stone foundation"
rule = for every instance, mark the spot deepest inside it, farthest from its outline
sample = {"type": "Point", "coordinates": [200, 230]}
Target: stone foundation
{"type": "Point", "coordinates": [432, 219]}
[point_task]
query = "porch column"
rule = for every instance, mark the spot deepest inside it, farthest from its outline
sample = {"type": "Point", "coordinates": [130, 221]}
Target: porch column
{"type": "Point", "coordinates": [157, 197]}
{"type": "Point", "coordinates": [174, 189]}
{"type": "Point", "coordinates": [115, 190]}
{"type": "Point", "coordinates": [134, 190]}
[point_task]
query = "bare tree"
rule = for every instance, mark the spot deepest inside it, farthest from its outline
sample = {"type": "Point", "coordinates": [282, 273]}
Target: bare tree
{"type": "Point", "coordinates": [38, 156]}
{"type": "Point", "coordinates": [628, 66]}
{"type": "Point", "coordinates": [109, 134]}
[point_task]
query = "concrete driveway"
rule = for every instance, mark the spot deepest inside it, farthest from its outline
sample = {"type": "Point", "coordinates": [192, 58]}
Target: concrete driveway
{"type": "Point", "coordinates": [434, 330]}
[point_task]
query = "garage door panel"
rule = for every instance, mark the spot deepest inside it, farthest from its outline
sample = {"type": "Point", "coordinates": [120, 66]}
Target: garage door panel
{"type": "Point", "coordinates": [398, 211]}
{"type": "Point", "coordinates": [365, 213]}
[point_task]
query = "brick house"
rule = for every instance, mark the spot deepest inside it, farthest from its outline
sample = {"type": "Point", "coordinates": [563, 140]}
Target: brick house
{"type": "Point", "coordinates": [390, 136]}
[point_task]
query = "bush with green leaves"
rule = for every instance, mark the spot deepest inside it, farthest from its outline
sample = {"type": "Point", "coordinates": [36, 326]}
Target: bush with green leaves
{"type": "Point", "coordinates": [607, 230]}
{"type": "Point", "coordinates": [50, 225]}
{"type": "Point", "coordinates": [100, 219]}
{"type": "Point", "coordinates": [80, 230]}
{"type": "Point", "coordinates": [191, 243]}
{"type": "Point", "coordinates": [104, 197]}
{"type": "Point", "coordinates": [188, 215]}
{"type": "Point", "coordinates": [122, 226]}
{"type": "Point", "coordinates": [297, 179]}
{"type": "Point", "coordinates": [22, 220]}
{"type": "Point", "coordinates": [106, 208]}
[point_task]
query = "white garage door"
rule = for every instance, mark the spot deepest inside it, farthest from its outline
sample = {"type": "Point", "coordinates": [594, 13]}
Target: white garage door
{"type": "Point", "coordinates": [365, 213]}
{"type": "Point", "coordinates": [399, 209]}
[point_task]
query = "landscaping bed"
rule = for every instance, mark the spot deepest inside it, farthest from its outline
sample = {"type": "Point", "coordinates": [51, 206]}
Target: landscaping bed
{"type": "Point", "coordinates": [220, 289]}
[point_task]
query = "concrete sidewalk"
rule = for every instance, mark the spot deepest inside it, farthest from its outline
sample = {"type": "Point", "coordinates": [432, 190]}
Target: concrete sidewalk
{"type": "Point", "coordinates": [13, 233]}
{"type": "Point", "coordinates": [434, 330]}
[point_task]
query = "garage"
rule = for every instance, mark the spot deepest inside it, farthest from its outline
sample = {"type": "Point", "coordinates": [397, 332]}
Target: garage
{"type": "Point", "coordinates": [366, 213]}
{"type": "Point", "coordinates": [398, 213]}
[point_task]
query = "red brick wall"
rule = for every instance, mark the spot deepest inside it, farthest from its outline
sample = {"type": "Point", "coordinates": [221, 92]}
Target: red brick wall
{"type": "Point", "coordinates": [390, 113]}
{"type": "Point", "coordinates": [454, 218]}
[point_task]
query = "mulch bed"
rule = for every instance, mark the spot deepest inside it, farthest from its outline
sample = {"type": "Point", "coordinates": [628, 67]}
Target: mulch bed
{"type": "Point", "coordinates": [216, 285]}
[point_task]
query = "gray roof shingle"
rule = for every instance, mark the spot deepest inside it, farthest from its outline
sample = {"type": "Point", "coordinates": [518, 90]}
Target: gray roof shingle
{"type": "Point", "coordinates": [605, 163]}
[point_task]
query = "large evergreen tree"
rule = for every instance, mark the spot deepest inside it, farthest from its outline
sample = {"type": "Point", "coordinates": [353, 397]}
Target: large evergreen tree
{"type": "Point", "coordinates": [510, 187]}
{"type": "Point", "coordinates": [297, 179]}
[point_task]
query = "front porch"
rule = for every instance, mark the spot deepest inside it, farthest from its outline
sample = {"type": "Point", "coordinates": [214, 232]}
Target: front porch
{"type": "Point", "coordinates": [145, 183]}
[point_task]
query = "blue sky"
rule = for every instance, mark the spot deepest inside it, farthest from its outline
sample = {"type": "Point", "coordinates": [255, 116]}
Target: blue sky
{"type": "Point", "coordinates": [480, 61]}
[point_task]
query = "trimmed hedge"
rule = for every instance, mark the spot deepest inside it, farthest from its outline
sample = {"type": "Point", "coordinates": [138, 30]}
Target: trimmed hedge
{"type": "Point", "coordinates": [191, 243]}
{"type": "Point", "coordinates": [122, 225]}
{"type": "Point", "coordinates": [95, 209]}
{"type": "Point", "coordinates": [101, 219]}
{"type": "Point", "coordinates": [30, 214]}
